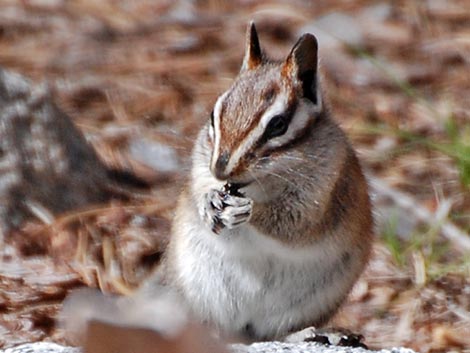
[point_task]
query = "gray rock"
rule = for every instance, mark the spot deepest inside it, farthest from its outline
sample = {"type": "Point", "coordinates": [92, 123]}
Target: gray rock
{"type": "Point", "coordinates": [46, 165]}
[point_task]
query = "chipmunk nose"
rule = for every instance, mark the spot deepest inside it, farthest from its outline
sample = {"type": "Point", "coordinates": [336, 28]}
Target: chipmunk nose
{"type": "Point", "coordinates": [220, 166]}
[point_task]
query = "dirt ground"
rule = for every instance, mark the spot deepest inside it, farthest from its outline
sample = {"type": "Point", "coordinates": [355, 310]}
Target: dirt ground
{"type": "Point", "coordinates": [140, 77]}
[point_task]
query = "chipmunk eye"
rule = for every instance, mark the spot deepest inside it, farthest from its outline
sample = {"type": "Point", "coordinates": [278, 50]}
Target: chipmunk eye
{"type": "Point", "coordinates": [212, 118]}
{"type": "Point", "coordinates": [276, 127]}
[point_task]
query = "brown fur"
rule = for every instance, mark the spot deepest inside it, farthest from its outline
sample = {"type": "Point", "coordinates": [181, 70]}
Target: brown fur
{"type": "Point", "coordinates": [305, 190]}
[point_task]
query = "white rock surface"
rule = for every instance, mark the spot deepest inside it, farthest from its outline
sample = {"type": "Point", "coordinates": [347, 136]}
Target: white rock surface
{"type": "Point", "coordinates": [261, 347]}
{"type": "Point", "coordinates": [41, 347]}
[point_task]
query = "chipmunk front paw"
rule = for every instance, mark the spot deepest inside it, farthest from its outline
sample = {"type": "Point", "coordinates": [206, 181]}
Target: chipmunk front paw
{"type": "Point", "coordinates": [223, 209]}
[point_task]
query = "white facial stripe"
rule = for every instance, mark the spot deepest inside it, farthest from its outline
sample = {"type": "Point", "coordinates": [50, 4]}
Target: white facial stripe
{"type": "Point", "coordinates": [278, 107]}
{"type": "Point", "coordinates": [217, 111]}
{"type": "Point", "coordinates": [299, 121]}
{"type": "Point", "coordinates": [211, 132]}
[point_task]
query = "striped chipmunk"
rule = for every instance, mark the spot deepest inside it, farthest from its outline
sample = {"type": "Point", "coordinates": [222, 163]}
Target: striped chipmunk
{"type": "Point", "coordinates": [274, 226]}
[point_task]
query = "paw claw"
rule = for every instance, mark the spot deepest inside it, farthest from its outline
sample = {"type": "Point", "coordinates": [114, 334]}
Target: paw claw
{"type": "Point", "coordinates": [223, 210]}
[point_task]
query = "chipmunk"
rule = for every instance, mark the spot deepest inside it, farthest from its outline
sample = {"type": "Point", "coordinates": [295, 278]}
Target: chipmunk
{"type": "Point", "coordinates": [274, 225]}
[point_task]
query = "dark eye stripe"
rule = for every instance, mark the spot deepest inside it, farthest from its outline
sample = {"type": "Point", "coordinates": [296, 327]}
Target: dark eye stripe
{"type": "Point", "coordinates": [287, 115]}
{"type": "Point", "coordinates": [299, 137]}
{"type": "Point", "coordinates": [278, 126]}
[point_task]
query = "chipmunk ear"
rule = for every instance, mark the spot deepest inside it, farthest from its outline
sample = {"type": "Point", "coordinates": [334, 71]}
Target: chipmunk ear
{"type": "Point", "coordinates": [302, 65]}
{"type": "Point", "coordinates": [253, 56]}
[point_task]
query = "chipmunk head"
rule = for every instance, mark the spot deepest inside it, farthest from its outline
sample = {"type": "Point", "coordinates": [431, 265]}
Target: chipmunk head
{"type": "Point", "coordinates": [269, 107]}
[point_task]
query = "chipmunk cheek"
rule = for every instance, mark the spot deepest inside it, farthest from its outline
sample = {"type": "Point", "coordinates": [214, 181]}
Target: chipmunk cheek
{"type": "Point", "coordinates": [242, 169]}
{"type": "Point", "coordinates": [265, 155]}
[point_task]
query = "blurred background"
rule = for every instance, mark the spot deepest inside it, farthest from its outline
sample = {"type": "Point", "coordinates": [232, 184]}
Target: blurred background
{"type": "Point", "coordinates": [139, 78]}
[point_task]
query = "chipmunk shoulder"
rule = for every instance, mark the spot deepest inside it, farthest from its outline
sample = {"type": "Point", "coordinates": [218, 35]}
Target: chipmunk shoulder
{"type": "Point", "coordinates": [274, 226]}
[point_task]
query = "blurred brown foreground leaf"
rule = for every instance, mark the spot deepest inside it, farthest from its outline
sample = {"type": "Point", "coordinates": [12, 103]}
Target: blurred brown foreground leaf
{"type": "Point", "coordinates": [105, 324]}
{"type": "Point", "coordinates": [105, 337]}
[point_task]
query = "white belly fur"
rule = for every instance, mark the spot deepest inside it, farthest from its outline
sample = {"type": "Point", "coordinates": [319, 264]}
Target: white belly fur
{"type": "Point", "coordinates": [242, 277]}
